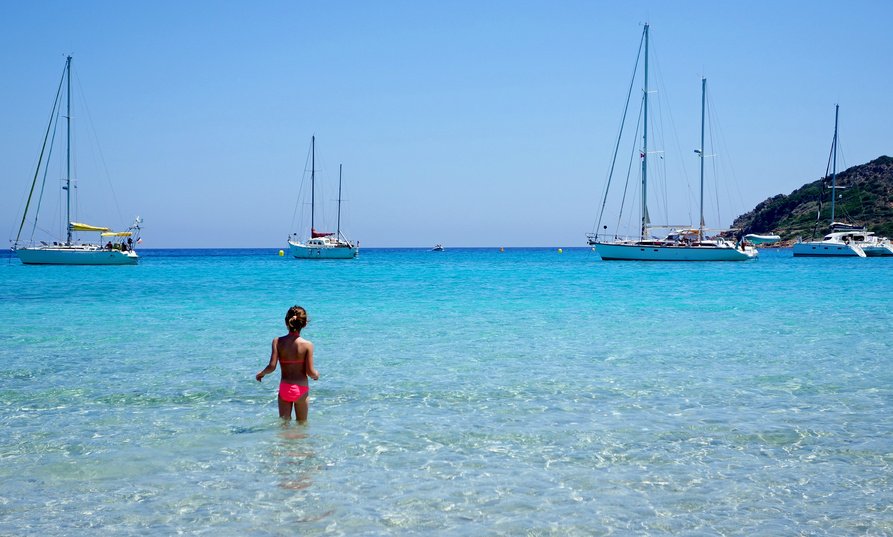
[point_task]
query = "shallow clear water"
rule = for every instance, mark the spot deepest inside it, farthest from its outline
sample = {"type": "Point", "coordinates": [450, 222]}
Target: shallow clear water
{"type": "Point", "coordinates": [465, 392]}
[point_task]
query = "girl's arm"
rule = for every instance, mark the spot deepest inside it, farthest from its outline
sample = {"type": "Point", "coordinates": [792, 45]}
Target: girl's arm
{"type": "Point", "coordinates": [274, 359]}
{"type": "Point", "coordinates": [312, 373]}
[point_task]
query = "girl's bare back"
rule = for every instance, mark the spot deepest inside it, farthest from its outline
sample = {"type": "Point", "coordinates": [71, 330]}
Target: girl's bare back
{"type": "Point", "coordinates": [295, 355]}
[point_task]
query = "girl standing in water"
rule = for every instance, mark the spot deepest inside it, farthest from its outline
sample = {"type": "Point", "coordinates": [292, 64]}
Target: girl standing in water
{"type": "Point", "coordinates": [296, 356]}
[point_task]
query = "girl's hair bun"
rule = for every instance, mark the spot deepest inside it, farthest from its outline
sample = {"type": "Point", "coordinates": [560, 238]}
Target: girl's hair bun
{"type": "Point", "coordinates": [296, 318]}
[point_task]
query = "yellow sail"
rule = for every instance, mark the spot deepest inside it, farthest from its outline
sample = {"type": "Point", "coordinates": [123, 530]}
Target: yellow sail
{"type": "Point", "coordinates": [84, 227]}
{"type": "Point", "coordinates": [114, 234]}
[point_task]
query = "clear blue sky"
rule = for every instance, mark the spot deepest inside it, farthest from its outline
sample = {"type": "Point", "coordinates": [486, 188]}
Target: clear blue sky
{"type": "Point", "coordinates": [467, 123]}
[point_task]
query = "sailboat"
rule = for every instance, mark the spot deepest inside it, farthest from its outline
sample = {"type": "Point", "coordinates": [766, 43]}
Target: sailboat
{"type": "Point", "coordinates": [845, 240]}
{"type": "Point", "coordinates": [322, 245]}
{"type": "Point", "coordinates": [119, 248]}
{"type": "Point", "coordinates": [681, 244]}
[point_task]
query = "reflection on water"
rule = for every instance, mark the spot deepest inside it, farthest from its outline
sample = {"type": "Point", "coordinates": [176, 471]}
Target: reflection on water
{"type": "Point", "coordinates": [292, 457]}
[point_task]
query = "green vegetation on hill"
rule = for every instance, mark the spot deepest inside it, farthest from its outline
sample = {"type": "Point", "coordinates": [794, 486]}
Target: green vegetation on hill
{"type": "Point", "coordinates": [865, 197]}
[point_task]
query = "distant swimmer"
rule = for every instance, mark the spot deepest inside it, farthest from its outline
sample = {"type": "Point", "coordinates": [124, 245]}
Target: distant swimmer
{"type": "Point", "coordinates": [296, 356]}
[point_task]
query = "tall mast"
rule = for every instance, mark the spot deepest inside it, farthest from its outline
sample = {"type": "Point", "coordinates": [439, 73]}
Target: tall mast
{"type": "Point", "coordinates": [645, 146]}
{"type": "Point", "coordinates": [339, 201]}
{"type": "Point", "coordinates": [68, 153]}
{"type": "Point", "coordinates": [703, 101]}
{"type": "Point", "coordinates": [834, 172]}
{"type": "Point", "coordinates": [312, 184]}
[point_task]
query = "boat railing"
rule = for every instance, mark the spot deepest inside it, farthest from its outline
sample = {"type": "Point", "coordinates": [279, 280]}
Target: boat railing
{"type": "Point", "coordinates": [594, 238]}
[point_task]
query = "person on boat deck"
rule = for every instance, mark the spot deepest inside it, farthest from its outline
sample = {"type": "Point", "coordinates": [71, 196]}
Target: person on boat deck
{"type": "Point", "coordinates": [109, 245]}
{"type": "Point", "coordinates": [295, 354]}
{"type": "Point", "coordinates": [129, 243]}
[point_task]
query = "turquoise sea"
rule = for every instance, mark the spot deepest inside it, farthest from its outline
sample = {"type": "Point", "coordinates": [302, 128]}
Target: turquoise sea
{"type": "Point", "coordinates": [466, 392]}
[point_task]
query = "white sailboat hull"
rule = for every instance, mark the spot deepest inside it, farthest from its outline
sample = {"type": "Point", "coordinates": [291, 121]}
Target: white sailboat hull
{"type": "Point", "coordinates": [307, 251]}
{"type": "Point", "coordinates": [877, 251]}
{"type": "Point", "coordinates": [632, 251]}
{"type": "Point", "coordinates": [75, 255]}
{"type": "Point", "coordinates": [877, 248]}
{"type": "Point", "coordinates": [827, 249]}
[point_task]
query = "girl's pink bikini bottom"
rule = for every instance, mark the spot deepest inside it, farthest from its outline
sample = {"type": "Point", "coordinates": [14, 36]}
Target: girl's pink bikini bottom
{"type": "Point", "coordinates": [292, 392]}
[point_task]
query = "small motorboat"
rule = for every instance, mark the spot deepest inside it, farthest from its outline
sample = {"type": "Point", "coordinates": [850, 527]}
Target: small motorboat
{"type": "Point", "coordinates": [761, 239]}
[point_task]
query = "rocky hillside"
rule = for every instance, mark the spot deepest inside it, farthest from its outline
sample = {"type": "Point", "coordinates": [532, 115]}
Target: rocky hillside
{"type": "Point", "coordinates": [866, 199]}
